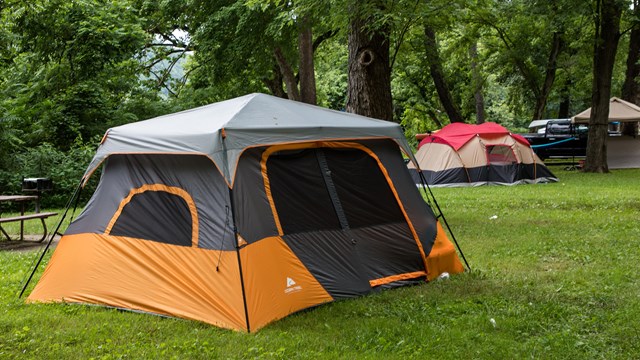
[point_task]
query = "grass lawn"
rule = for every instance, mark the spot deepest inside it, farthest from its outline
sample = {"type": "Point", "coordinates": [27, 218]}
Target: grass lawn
{"type": "Point", "coordinates": [557, 270]}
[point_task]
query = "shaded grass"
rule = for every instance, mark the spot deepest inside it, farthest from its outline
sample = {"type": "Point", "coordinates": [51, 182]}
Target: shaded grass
{"type": "Point", "coordinates": [556, 270]}
{"type": "Point", "coordinates": [34, 226]}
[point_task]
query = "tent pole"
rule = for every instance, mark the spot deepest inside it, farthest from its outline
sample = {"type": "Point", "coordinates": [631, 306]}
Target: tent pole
{"type": "Point", "coordinates": [223, 136]}
{"type": "Point", "coordinates": [235, 233]}
{"type": "Point", "coordinates": [244, 296]}
{"type": "Point", "coordinates": [224, 236]}
{"type": "Point", "coordinates": [426, 187]}
{"type": "Point", "coordinates": [75, 206]}
{"type": "Point", "coordinates": [76, 196]}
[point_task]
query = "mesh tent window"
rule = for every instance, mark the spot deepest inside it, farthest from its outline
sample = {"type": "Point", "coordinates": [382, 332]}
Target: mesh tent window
{"type": "Point", "coordinates": [500, 155]}
{"type": "Point", "coordinates": [156, 212]}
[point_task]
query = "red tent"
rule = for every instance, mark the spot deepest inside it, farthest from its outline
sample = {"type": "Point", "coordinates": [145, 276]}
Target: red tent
{"type": "Point", "coordinates": [469, 155]}
{"type": "Point", "coordinates": [458, 134]}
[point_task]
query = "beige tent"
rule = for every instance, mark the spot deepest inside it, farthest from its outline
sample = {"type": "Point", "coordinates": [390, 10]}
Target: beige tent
{"type": "Point", "coordinates": [472, 155]}
{"type": "Point", "coordinates": [622, 151]}
{"type": "Point", "coordinates": [619, 110]}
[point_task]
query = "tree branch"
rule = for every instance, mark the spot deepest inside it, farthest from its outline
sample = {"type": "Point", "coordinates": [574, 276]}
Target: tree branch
{"type": "Point", "coordinates": [287, 73]}
{"type": "Point", "coordinates": [160, 58]}
{"type": "Point", "coordinates": [402, 34]}
{"type": "Point", "coordinates": [325, 36]}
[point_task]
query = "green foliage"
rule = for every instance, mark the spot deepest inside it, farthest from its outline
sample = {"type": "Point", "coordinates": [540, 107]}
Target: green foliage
{"type": "Point", "coordinates": [234, 45]}
{"type": "Point", "coordinates": [331, 66]}
{"type": "Point", "coordinates": [69, 70]}
{"type": "Point", "coordinates": [88, 34]}
{"type": "Point", "coordinates": [10, 140]}
{"type": "Point", "coordinates": [64, 168]}
{"type": "Point", "coordinates": [518, 36]}
{"type": "Point", "coordinates": [73, 73]}
{"type": "Point", "coordinates": [556, 270]}
{"type": "Point", "coordinates": [418, 105]}
{"type": "Point", "coordinates": [73, 67]}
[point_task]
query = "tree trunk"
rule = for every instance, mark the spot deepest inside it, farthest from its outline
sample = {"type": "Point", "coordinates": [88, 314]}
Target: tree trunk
{"type": "Point", "coordinates": [275, 84]}
{"type": "Point", "coordinates": [607, 33]}
{"type": "Point", "coordinates": [434, 118]}
{"type": "Point", "coordinates": [565, 100]}
{"type": "Point", "coordinates": [369, 89]}
{"type": "Point", "coordinates": [477, 84]}
{"type": "Point", "coordinates": [549, 77]}
{"type": "Point", "coordinates": [306, 71]}
{"type": "Point", "coordinates": [287, 74]}
{"type": "Point", "coordinates": [435, 68]}
{"type": "Point", "coordinates": [631, 86]}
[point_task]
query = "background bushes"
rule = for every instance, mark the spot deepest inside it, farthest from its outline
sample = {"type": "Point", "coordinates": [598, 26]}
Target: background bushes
{"type": "Point", "coordinates": [64, 168]}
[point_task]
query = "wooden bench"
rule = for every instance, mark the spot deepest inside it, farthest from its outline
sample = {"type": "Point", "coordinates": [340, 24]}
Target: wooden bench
{"type": "Point", "coordinates": [21, 218]}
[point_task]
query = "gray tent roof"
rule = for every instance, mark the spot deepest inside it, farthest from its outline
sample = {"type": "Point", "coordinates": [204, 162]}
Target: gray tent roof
{"type": "Point", "coordinates": [244, 122]}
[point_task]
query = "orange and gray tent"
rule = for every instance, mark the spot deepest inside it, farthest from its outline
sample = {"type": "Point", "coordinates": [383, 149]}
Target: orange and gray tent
{"type": "Point", "coordinates": [471, 155]}
{"type": "Point", "coordinates": [241, 212]}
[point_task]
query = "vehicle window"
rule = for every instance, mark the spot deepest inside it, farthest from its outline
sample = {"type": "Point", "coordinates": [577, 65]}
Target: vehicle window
{"type": "Point", "coordinates": [559, 129]}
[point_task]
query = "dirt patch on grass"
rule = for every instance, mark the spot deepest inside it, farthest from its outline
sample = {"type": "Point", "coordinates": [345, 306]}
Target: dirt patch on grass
{"type": "Point", "coordinates": [29, 243]}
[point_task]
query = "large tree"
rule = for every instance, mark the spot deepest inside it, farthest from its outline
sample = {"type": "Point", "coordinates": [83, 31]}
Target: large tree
{"type": "Point", "coordinates": [307, 72]}
{"type": "Point", "coordinates": [369, 92]}
{"type": "Point", "coordinates": [607, 35]}
{"type": "Point", "coordinates": [631, 86]}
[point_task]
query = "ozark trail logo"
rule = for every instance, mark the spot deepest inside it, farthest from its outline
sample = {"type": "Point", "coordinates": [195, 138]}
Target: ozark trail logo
{"type": "Point", "coordinates": [292, 286]}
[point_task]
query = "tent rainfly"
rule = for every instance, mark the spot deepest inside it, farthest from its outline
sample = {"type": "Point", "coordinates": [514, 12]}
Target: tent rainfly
{"type": "Point", "coordinates": [244, 211]}
{"type": "Point", "coordinates": [471, 155]}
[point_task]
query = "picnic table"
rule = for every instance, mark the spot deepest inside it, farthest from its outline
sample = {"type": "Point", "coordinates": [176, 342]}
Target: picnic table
{"type": "Point", "coordinates": [23, 200]}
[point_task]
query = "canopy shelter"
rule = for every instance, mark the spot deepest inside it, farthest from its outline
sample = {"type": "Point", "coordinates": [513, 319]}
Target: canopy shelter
{"type": "Point", "coordinates": [242, 212]}
{"type": "Point", "coordinates": [623, 150]}
{"type": "Point", "coordinates": [619, 111]}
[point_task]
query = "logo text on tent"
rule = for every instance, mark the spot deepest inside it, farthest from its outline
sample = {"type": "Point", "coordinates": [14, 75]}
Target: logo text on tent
{"type": "Point", "coordinates": [292, 286]}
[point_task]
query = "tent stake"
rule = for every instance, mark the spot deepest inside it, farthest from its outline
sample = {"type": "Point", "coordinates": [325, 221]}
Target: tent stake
{"type": "Point", "coordinates": [76, 196]}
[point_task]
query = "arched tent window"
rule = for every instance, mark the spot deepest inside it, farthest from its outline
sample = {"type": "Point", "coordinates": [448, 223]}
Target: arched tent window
{"type": "Point", "coordinates": [159, 213]}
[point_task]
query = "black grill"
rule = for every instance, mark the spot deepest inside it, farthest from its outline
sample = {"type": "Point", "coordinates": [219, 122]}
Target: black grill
{"type": "Point", "coordinates": [36, 184]}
